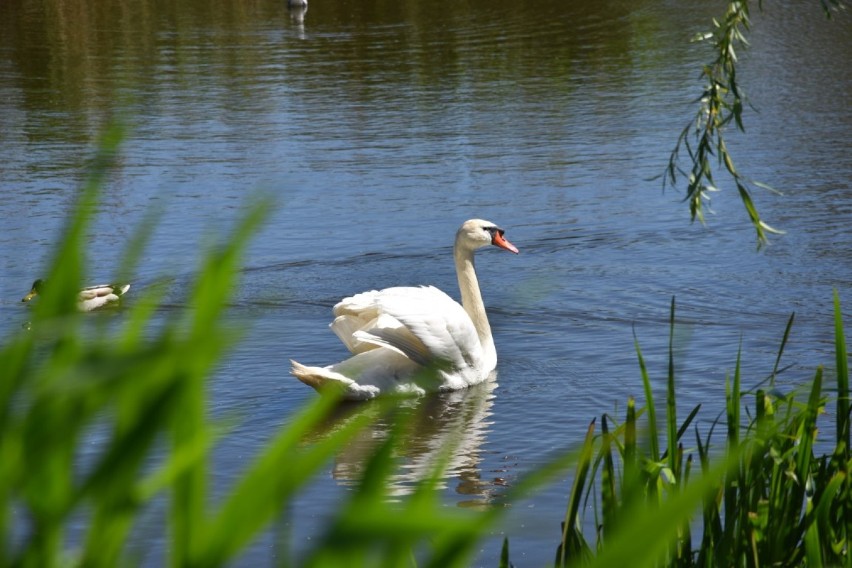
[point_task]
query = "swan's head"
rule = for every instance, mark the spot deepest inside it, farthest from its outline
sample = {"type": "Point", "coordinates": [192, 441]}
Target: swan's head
{"type": "Point", "coordinates": [477, 233]}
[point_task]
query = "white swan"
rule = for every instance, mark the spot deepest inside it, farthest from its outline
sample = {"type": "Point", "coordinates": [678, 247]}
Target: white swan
{"type": "Point", "coordinates": [88, 299]}
{"type": "Point", "coordinates": [413, 340]}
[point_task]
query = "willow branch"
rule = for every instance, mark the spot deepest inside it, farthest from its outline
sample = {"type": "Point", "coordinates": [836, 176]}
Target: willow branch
{"type": "Point", "coordinates": [720, 104]}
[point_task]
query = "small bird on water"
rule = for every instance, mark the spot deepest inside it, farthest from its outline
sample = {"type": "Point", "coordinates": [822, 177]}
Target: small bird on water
{"type": "Point", "coordinates": [88, 299]}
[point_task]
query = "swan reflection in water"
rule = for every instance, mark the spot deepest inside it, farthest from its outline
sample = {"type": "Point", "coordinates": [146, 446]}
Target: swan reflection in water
{"type": "Point", "coordinates": [446, 427]}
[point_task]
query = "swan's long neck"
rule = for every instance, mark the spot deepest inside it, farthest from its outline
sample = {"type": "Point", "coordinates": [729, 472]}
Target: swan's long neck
{"type": "Point", "coordinates": [472, 301]}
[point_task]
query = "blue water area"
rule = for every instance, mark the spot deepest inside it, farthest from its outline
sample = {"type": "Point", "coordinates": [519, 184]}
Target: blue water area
{"type": "Point", "coordinates": [378, 129]}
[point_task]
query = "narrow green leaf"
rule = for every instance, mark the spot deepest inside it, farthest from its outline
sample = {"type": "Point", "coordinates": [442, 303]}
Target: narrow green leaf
{"type": "Point", "coordinates": [573, 545]}
{"type": "Point", "coordinates": [504, 555]}
{"type": "Point", "coordinates": [842, 378]}
{"type": "Point", "coordinates": [649, 401]}
{"type": "Point", "coordinates": [274, 475]}
{"type": "Point", "coordinates": [609, 495]}
{"type": "Point", "coordinates": [671, 398]}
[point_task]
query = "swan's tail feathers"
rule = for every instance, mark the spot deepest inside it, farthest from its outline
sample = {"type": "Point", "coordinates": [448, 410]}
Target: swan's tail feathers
{"type": "Point", "coordinates": [324, 379]}
{"type": "Point", "coordinates": [314, 377]}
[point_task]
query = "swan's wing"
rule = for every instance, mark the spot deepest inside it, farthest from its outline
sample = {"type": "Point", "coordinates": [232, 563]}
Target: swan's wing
{"type": "Point", "coordinates": [398, 338]}
{"type": "Point", "coordinates": [442, 325]}
{"type": "Point", "coordinates": [424, 324]}
{"type": "Point", "coordinates": [358, 316]}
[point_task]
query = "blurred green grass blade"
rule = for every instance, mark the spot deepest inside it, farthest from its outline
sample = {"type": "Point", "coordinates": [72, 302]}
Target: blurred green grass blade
{"type": "Point", "coordinates": [451, 548]}
{"type": "Point", "coordinates": [394, 540]}
{"type": "Point", "coordinates": [361, 530]}
{"type": "Point", "coordinates": [447, 548]}
{"type": "Point", "coordinates": [272, 479]}
{"type": "Point", "coordinates": [175, 465]}
{"type": "Point", "coordinates": [16, 362]}
{"type": "Point", "coordinates": [376, 477]}
{"type": "Point", "coordinates": [138, 317]}
{"type": "Point", "coordinates": [213, 286]}
{"type": "Point", "coordinates": [221, 269]}
{"type": "Point", "coordinates": [130, 444]}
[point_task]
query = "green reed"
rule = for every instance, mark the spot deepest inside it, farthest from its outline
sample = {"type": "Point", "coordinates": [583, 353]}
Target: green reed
{"type": "Point", "coordinates": [764, 498]}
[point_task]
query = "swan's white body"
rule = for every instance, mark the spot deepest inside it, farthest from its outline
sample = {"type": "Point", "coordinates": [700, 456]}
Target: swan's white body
{"type": "Point", "coordinates": [413, 340]}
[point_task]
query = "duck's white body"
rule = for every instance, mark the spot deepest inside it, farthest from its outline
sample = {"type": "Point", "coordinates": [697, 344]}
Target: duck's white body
{"type": "Point", "coordinates": [413, 340]}
{"type": "Point", "coordinates": [88, 299]}
{"type": "Point", "coordinates": [100, 296]}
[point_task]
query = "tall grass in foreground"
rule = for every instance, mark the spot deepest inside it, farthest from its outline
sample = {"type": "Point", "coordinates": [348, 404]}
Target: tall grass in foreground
{"type": "Point", "coordinates": [767, 501]}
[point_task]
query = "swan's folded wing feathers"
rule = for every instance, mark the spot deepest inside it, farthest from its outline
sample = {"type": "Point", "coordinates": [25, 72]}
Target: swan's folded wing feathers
{"type": "Point", "coordinates": [438, 321]}
{"type": "Point", "coordinates": [364, 305]}
{"type": "Point", "coordinates": [400, 340]}
{"type": "Point", "coordinates": [356, 313]}
{"type": "Point", "coordinates": [346, 326]}
{"type": "Point", "coordinates": [422, 323]}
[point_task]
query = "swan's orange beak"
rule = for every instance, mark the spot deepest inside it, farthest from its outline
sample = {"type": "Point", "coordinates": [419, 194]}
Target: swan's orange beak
{"type": "Point", "coordinates": [500, 241]}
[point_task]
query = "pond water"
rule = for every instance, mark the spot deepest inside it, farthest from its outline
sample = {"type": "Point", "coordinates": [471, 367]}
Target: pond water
{"type": "Point", "coordinates": [379, 127]}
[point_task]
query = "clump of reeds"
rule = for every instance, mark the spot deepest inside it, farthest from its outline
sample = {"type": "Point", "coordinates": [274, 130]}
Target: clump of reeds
{"type": "Point", "coordinates": [765, 499]}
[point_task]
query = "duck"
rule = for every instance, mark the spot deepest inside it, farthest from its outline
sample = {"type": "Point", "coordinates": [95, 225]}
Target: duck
{"type": "Point", "coordinates": [411, 340]}
{"type": "Point", "coordinates": [90, 298]}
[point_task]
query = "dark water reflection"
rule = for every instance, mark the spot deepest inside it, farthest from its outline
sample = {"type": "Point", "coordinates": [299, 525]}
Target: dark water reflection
{"type": "Point", "coordinates": [446, 428]}
{"type": "Point", "coordinates": [380, 126]}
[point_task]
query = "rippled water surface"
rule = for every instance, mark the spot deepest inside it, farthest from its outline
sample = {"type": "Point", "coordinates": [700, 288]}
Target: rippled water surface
{"type": "Point", "coordinates": [379, 127]}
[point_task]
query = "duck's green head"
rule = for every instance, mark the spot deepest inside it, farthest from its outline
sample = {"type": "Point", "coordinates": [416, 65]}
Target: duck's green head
{"type": "Point", "coordinates": [36, 290]}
